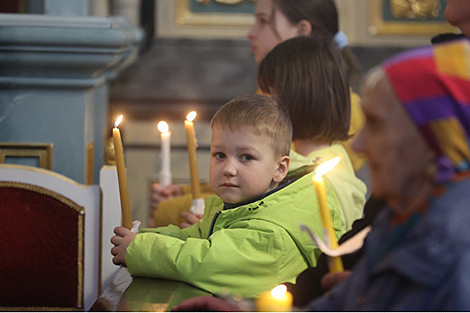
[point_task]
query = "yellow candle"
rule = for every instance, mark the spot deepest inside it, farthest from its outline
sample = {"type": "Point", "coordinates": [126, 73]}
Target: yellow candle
{"type": "Point", "coordinates": [122, 177]}
{"type": "Point", "coordinates": [276, 300]}
{"type": "Point", "coordinates": [192, 144]}
{"type": "Point", "coordinates": [335, 264]}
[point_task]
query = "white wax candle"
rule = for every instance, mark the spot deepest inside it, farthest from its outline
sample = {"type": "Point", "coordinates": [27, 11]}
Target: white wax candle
{"type": "Point", "coordinates": [165, 137]}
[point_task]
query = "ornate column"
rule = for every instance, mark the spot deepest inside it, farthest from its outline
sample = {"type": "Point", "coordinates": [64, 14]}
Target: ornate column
{"type": "Point", "coordinates": [54, 84]}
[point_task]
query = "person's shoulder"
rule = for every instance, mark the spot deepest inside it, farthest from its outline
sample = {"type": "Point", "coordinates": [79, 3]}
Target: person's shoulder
{"type": "Point", "coordinates": [299, 172]}
{"type": "Point", "coordinates": [450, 213]}
{"type": "Point", "coordinates": [455, 196]}
{"type": "Point", "coordinates": [337, 149]}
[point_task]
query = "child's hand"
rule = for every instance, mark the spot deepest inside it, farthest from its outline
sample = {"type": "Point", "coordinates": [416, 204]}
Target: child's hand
{"type": "Point", "coordinates": [159, 193]}
{"type": "Point", "coordinates": [190, 218]}
{"type": "Point", "coordinates": [121, 241]}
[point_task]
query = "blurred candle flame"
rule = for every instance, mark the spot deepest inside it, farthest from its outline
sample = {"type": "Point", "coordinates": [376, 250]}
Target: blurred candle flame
{"type": "Point", "coordinates": [163, 126]}
{"type": "Point", "coordinates": [279, 291]}
{"type": "Point", "coordinates": [191, 116]}
{"type": "Point", "coordinates": [118, 121]}
{"type": "Point", "coordinates": [327, 166]}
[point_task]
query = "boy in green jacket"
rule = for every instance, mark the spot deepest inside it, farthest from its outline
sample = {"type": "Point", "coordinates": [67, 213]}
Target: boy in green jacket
{"type": "Point", "coordinates": [249, 239]}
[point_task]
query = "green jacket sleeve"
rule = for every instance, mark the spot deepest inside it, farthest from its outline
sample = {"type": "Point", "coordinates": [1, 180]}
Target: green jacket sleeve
{"type": "Point", "coordinates": [254, 254]}
{"type": "Point", "coordinates": [176, 232]}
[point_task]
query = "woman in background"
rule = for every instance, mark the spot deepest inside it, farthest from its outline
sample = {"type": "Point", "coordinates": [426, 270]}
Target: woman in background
{"type": "Point", "coordinates": [305, 74]}
{"type": "Point", "coordinates": [279, 20]}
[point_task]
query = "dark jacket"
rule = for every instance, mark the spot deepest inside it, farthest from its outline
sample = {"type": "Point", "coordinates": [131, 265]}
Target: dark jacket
{"type": "Point", "coordinates": [427, 269]}
{"type": "Point", "coordinates": [307, 286]}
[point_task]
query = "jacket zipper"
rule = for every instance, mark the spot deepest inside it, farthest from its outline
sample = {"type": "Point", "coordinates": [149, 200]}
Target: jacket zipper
{"type": "Point", "coordinates": [211, 229]}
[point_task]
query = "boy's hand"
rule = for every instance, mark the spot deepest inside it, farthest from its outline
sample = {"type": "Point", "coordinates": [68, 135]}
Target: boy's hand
{"type": "Point", "coordinates": [121, 241]}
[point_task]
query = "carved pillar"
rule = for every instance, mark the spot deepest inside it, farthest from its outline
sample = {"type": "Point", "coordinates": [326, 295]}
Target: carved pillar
{"type": "Point", "coordinates": [54, 84]}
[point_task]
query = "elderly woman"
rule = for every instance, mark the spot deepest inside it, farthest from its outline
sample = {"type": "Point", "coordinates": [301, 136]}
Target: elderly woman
{"type": "Point", "coordinates": [416, 138]}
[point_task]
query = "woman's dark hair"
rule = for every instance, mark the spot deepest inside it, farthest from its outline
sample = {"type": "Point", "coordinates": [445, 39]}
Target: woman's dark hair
{"type": "Point", "coordinates": [305, 74]}
{"type": "Point", "coordinates": [323, 16]}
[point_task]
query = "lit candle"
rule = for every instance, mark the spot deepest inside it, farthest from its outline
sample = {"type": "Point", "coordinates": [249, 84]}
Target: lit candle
{"type": "Point", "coordinates": [335, 264]}
{"type": "Point", "coordinates": [276, 300]}
{"type": "Point", "coordinates": [192, 144]}
{"type": "Point", "coordinates": [165, 137]}
{"type": "Point", "coordinates": [122, 177]}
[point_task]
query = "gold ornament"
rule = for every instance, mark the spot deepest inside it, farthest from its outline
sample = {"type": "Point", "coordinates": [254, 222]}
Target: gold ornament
{"type": "Point", "coordinates": [109, 156]}
{"type": "Point", "coordinates": [415, 9]}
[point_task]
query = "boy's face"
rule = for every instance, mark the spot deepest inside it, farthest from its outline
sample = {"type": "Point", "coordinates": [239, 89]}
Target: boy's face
{"type": "Point", "coordinates": [243, 165]}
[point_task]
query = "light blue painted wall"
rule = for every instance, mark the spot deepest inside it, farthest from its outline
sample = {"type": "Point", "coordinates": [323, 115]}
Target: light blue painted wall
{"type": "Point", "coordinates": [58, 7]}
{"type": "Point", "coordinates": [48, 116]}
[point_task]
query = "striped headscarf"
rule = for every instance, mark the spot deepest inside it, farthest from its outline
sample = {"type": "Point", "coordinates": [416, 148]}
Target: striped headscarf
{"type": "Point", "coordinates": [433, 83]}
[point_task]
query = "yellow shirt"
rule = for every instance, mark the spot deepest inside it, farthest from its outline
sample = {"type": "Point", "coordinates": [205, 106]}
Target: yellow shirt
{"type": "Point", "coordinates": [357, 123]}
{"type": "Point", "coordinates": [350, 190]}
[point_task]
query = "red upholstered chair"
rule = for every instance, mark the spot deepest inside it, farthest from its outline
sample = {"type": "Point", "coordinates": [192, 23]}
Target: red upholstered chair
{"type": "Point", "coordinates": [49, 241]}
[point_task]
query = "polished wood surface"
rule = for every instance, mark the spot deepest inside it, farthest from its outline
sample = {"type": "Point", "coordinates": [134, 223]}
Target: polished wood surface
{"type": "Point", "coordinates": [144, 294]}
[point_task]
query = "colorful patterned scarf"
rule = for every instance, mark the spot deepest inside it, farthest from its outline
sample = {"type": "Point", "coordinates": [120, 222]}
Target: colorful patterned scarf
{"type": "Point", "coordinates": [433, 83]}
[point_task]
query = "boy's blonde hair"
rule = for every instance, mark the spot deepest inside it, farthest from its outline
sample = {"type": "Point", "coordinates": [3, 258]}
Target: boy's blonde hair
{"type": "Point", "coordinates": [259, 115]}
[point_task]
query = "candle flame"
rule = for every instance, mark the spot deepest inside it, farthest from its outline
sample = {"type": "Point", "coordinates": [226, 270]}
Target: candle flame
{"type": "Point", "coordinates": [163, 126]}
{"type": "Point", "coordinates": [118, 121]}
{"type": "Point", "coordinates": [279, 291]}
{"type": "Point", "coordinates": [191, 116]}
{"type": "Point", "coordinates": [327, 166]}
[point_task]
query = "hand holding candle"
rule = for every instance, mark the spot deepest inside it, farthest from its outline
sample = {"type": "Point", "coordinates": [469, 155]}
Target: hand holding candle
{"type": "Point", "coordinates": [122, 177]}
{"type": "Point", "coordinates": [198, 203]}
{"type": "Point", "coordinates": [276, 300]}
{"type": "Point", "coordinates": [336, 264]}
{"type": "Point", "coordinates": [165, 136]}
{"type": "Point", "coordinates": [192, 144]}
